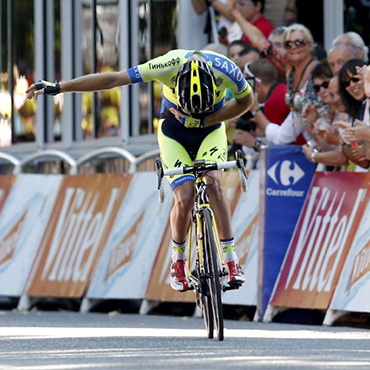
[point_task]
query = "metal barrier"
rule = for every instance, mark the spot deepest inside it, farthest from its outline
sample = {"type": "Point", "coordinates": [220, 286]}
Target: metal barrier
{"type": "Point", "coordinates": [145, 157]}
{"type": "Point", "coordinates": [110, 150]}
{"type": "Point", "coordinates": [75, 164]}
{"type": "Point", "coordinates": [14, 161]}
{"type": "Point", "coordinates": [50, 153]}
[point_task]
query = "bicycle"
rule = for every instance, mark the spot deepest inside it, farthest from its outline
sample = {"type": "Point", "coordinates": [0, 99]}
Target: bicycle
{"type": "Point", "coordinates": [207, 272]}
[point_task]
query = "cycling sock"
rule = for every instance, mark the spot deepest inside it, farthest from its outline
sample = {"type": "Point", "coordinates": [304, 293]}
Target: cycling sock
{"type": "Point", "coordinates": [178, 251]}
{"type": "Point", "coordinates": [228, 249]}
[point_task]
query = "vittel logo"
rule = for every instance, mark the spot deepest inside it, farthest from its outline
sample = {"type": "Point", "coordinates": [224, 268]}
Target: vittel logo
{"type": "Point", "coordinates": [285, 173]}
{"type": "Point", "coordinates": [78, 232]}
{"type": "Point", "coordinates": [322, 239]}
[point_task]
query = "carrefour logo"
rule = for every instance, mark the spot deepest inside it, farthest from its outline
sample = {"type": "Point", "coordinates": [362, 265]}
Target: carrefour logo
{"type": "Point", "coordinates": [286, 174]}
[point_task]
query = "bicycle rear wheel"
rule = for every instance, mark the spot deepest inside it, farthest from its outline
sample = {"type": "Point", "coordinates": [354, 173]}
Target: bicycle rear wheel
{"type": "Point", "coordinates": [214, 278]}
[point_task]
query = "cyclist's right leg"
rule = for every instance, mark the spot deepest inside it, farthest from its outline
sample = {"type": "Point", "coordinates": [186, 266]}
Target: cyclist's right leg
{"type": "Point", "coordinates": [173, 154]}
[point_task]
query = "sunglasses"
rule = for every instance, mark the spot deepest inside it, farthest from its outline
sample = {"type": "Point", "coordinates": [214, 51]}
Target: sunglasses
{"type": "Point", "coordinates": [325, 85]}
{"type": "Point", "coordinates": [297, 43]}
{"type": "Point", "coordinates": [348, 82]}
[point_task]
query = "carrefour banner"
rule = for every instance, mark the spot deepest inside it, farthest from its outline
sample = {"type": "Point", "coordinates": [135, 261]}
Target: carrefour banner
{"type": "Point", "coordinates": [285, 179]}
{"type": "Point", "coordinates": [352, 292]}
{"type": "Point", "coordinates": [322, 240]}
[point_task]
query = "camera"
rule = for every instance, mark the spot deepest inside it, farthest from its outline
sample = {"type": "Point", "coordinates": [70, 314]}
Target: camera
{"type": "Point", "coordinates": [245, 123]}
{"type": "Point", "coordinates": [295, 101]}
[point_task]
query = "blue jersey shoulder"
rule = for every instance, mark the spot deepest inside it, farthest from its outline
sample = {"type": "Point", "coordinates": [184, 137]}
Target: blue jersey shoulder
{"type": "Point", "coordinates": [227, 68]}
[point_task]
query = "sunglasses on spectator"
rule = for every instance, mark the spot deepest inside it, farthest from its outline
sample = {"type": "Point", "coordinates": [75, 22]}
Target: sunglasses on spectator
{"type": "Point", "coordinates": [325, 85]}
{"type": "Point", "coordinates": [348, 82]}
{"type": "Point", "coordinates": [297, 43]}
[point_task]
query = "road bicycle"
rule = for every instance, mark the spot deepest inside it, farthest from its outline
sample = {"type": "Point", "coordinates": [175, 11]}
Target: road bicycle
{"type": "Point", "coordinates": [207, 270]}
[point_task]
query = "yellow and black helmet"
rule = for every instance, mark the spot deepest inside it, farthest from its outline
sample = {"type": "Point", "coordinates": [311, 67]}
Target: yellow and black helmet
{"type": "Point", "coordinates": [195, 87]}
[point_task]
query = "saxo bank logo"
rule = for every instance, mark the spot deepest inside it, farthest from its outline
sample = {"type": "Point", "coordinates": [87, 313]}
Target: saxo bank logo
{"type": "Point", "coordinates": [285, 174]}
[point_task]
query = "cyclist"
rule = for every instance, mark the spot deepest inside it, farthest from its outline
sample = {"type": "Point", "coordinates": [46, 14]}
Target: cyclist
{"type": "Point", "coordinates": [190, 127]}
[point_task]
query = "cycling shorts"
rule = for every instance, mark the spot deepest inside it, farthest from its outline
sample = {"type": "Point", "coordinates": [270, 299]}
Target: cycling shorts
{"type": "Point", "coordinates": [180, 146]}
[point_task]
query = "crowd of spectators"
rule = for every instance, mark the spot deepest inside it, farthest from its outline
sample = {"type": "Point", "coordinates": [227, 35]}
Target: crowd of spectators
{"type": "Point", "coordinates": [305, 95]}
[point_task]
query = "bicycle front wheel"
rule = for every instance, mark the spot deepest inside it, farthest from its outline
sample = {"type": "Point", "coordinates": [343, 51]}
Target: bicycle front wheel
{"type": "Point", "coordinates": [213, 271]}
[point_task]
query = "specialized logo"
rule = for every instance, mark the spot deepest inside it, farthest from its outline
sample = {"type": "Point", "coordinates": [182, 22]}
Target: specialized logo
{"type": "Point", "coordinates": [123, 251]}
{"type": "Point", "coordinates": [170, 63]}
{"type": "Point", "coordinates": [287, 174]}
{"type": "Point", "coordinates": [10, 241]}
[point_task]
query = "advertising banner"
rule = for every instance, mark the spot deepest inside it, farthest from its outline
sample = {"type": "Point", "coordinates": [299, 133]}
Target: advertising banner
{"type": "Point", "coordinates": [245, 218]}
{"type": "Point", "coordinates": [125, 266]}
{"type": "Point", "coordinates": [22, 224]}
{"type": "Point", "coordinates": [84, 212]}
{"type": "Point", "coordinates": [321, 241]}
{"type": "Point", "coordinates": [353, 287]}
{"type": "Point", "coordinates": [286, 177]}
{"type": "Point", "coordinates": [6, 183]}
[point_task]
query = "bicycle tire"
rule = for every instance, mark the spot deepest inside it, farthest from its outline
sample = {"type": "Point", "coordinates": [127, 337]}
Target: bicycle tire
{"type": "Point", "coordinates": [207, 315]}
{"type": "Point", "coordinates": [214, 278]}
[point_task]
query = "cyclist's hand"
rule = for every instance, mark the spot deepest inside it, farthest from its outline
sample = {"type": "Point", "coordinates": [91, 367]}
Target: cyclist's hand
{"type": "Point", "coordinates": [187, 120]}
{"type": "Point", "coordinates": [42, 87]}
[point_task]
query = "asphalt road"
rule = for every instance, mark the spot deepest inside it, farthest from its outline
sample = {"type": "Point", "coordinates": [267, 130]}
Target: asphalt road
{"type": "Point", "coordinates": [67, 340]}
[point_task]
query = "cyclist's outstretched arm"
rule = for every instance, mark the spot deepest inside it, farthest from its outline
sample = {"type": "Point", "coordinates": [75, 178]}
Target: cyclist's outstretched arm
{"type": "Point", "coordinates": [233, 108]}
{"type": "Point", "coordinates": [92, 82]}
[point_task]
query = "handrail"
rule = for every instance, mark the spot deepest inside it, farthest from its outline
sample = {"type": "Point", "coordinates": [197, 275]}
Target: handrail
{"type": "Point", "coordinates": [14, 161]}
{"type": "Point", "coordinates": [50, 153]}
{"type": "Point", "coordinates": [109, 150]}
{"type": "Point", "coordinates": [147, 155]}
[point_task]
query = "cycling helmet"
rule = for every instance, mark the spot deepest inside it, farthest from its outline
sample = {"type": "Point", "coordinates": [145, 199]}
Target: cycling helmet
{"type": "Point", "coordinates": [195, 87]}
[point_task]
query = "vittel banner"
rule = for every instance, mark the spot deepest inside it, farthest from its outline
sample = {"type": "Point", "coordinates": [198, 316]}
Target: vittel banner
{"type": "Point", "coordinates": [6, 183]}
{"type": "Point", "coordinates": [322, 240]}
{"type": "Point", "coordinates": [286, 176]}
{"type": "Point", "coordinates": [125, 266]}
{"type": "Point", "coordinates": [352, 292]}
{"type": "Point", "coordinates": [78, 229]}
{"type": "Point", "coordinates": [23, 221]}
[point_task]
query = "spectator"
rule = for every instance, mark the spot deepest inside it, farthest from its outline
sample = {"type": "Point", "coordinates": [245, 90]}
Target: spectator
{"type": "Point", "coordinates": [227, 31]}
{"type": "Point", "coordinates": [354, 39]}
{"type": "Point", "coordinates": [341, 53]}
{"type": "Point", "coordinates": [275, 11]}
{"type": "Point", "coordinates": [298, 43]}
{"type": "Point", "coordinates": [234, 50]}
{"type": "Point", "coordinates": [248, 55]}
{"type": "Point", "coordinates": [351, 89]}
{"type": "Point", "coordinates": [247, 13]}
{"type": "Point", "coordinates": [332, 157]}
{"type": "Point", "coordinates": [271, 94]}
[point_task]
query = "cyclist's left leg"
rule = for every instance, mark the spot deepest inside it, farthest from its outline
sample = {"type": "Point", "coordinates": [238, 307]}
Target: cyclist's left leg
{"type": "Point", "coordinates": [214, 149]}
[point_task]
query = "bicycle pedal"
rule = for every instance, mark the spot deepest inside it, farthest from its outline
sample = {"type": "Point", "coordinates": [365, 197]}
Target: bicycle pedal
{"type": "Point", "coordinates": [234, 286]}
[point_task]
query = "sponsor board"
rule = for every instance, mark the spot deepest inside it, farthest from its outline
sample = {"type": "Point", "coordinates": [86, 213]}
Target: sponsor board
{"type": "Point", "coordinates": [245, 219]}
{"type": "Point", "coordinates": [22, 225]}
{"type": "Point", "coordinates": [125, 266]}
{"type": "Point", "coordinates": [286, 176]}
{"type": "Point", "coordinates": [84, 212]}
{"type": "Point", "coordinates": [6, 183]}
{"type": "Point", "coordinates": [321, 241]}
{"type": "Point", "coordinates": [353, 287]}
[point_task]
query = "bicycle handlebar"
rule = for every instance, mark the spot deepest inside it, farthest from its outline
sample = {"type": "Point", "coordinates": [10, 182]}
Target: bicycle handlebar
{"type": "Point", "coordinates": [201, 168]}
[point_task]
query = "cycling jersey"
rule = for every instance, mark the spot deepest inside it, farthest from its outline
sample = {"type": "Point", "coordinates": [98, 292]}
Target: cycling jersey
{"type": "Point", "coordinates": [165, 68]}
{"type": "Point", "coordinates": [180, 145]}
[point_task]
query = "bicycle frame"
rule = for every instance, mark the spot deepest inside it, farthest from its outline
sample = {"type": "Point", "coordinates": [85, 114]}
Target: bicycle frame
{"type": "Point", "coordinates": [201, 202]}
